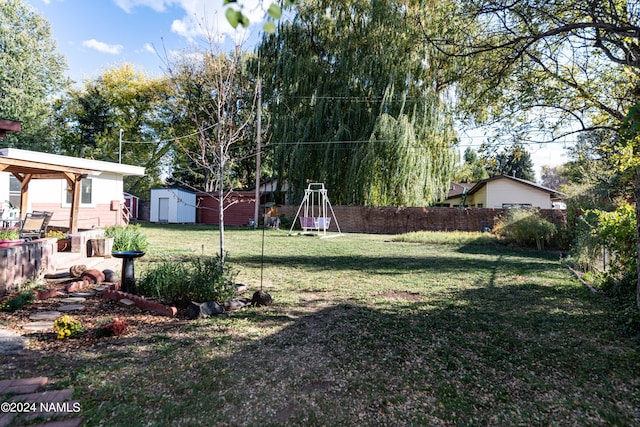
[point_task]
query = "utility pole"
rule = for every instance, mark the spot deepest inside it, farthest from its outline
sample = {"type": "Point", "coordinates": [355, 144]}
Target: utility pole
{"type": "Point", "coordinates": [258, 154]}
{"type": "Point", "coordinates": [120, 147]}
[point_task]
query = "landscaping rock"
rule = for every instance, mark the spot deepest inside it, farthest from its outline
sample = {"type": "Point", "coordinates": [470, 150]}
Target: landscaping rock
{"type": "Point", "coordinates": [47, 293]}
{"type": "Point", "coordinates": [42, 325]}
{"type": "Point", "coordinates": [241, 288]}
{"type": "Point", "coordinates": [196, 310]}
{"type": "Point", "coordinates": [110, 276]}
{"type": "Point", "coordinates": [10, 342]}
{"type": "Point", "coordinates": [73, 300]}
{"type": "Point", "coordinates": [93, 276]}
{"type": "Point", "coordinates": [236, 304]}
{"type": "Point", "coordinates": [76, 286]}
{"type": "Point", "coordinates": [83, 294]}
{"type": "Point", "coordinates": [45, 315]}
{"type": "Point", "coordinates": [71, 307]}
{"type": "Point", "coordinates": [77, 270]}
{"type": "Point", "coordinates": [261, 298]}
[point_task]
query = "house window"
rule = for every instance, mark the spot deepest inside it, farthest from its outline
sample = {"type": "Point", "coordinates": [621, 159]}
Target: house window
{"type": "Point", "coordinates": [516, 205]}
{"type": "Point", "coordinates": [14, 191]}
{"type": "Point", "coordinates": [86, 190]}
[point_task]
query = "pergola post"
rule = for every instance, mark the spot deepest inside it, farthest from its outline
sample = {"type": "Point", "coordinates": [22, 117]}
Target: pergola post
{"type": "Point", "coordinates": [24, 194]}
{"type": "Point", "coordinates": [75, 184]}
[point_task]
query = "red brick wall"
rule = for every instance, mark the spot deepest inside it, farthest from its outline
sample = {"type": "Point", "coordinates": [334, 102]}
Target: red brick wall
{"type": "Point", "coordinates": [397, 220]}
{"type": "Point", "coordinates": [239, 208]}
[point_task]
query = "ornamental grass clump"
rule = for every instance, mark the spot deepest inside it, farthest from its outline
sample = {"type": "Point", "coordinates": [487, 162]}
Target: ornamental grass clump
{"type": "Point", "coordinates": [179, 282]}
{"type": "Point", "coordinates": [525, 227]}
{"type": "Point", "coordinates": [66, 326]}
{"type": "Point", "coordinates": [129, 238]}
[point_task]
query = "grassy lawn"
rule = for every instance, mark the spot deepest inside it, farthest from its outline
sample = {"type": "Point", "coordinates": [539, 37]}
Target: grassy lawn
{"type": "Point", "coordinates": [368, 331]}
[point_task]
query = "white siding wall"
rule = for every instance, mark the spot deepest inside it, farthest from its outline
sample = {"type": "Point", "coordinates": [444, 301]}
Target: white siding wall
{"type": "Point", "coordinates": [502, 191]}
{"type": "Point", "coordinates": [180, 205]}
{"type": "Point", "coordinates": [105, 188]}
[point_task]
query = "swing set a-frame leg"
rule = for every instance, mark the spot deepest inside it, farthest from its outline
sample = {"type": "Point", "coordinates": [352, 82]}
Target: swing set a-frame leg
{"type": "Point", "coordinates": [293, 224]}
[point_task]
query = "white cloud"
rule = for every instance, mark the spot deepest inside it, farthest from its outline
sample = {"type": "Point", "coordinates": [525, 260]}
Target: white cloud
{"type": "Point", "coordinates": [202, 18]}
{"type": "Point", "coordinates": [149, 48]}
{"type": "Point", "coordinates": [113, 49]}
{"type": "Point", "coordinates": [157, 5]}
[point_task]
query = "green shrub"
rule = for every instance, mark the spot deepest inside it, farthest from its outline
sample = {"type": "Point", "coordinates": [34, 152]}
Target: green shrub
{"type": "Point", "coordinates": [197, 279]}
{"type": "Point", "coordinates": [18, 301]}
{"type": "Point", "coordinates": [11, 233]}
{"type": "Point", "coordinates": [525, 227]}
{"type": "Point", "coordinates": [615, 231]}
{"type": "Point", "coordinates": [129, 238]}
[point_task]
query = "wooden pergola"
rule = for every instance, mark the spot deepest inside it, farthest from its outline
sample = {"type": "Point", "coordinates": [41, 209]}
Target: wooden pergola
{"type": "Point", "coordinates": [26, 170]}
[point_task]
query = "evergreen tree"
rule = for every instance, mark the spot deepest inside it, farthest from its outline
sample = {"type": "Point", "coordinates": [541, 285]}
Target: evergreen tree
{"type": "Point", "coordinates": [472, 168]}
{"type": "Point", "coordinates": [514, 161]}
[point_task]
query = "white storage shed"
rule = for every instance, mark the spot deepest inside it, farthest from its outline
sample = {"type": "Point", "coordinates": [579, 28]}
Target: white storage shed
{"type": "Point", "coordinates": [172, 205]}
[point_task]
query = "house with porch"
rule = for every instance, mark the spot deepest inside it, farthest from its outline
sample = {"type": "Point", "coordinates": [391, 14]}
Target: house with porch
{"type": "Point", "coordinates": [81, 193]}
{"type": "Point", "coordinates": [84, 196]}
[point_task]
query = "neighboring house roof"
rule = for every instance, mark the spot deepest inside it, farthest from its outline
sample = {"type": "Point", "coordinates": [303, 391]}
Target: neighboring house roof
{"type": "Point", "coordinates": [95, 166]}
{"type": "Point", "coordinates": [457, 188]}
{"type": "Point", "coordinates": [9, 126]}
{"type": "Point", "coordinates": [553, 193]}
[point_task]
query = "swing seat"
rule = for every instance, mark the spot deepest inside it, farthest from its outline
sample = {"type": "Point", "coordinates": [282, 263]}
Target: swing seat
{"type": "Point", "coordinates": [307, 222]}
{"type": "Point", "coordinates": [322, 223]}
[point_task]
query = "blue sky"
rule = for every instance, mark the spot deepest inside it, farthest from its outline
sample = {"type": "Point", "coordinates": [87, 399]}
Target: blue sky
{"type": "Point", "coordinates": [96, 34]}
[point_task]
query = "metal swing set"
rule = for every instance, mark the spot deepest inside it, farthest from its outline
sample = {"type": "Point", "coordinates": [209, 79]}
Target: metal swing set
{"type": "Point", "coordinates": [315, 208]}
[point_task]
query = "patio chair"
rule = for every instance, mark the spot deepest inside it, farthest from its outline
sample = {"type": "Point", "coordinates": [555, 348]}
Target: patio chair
{"type": "Point", "coordinates": [35, 225]}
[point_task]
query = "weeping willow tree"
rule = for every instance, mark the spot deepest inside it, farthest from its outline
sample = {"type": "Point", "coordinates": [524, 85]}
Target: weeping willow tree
{"type": "Point", "coordinates": [357, 104]}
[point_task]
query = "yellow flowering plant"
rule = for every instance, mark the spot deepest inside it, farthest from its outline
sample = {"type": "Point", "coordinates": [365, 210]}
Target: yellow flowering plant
{"type": "Point", "coordinates": [66, 326]}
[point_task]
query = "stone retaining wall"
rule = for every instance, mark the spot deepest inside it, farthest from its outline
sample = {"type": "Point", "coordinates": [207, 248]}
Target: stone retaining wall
{"type": "Point", "coordinates": [22, 262]}
{"type": "Point", "coordinates": [398, 220]}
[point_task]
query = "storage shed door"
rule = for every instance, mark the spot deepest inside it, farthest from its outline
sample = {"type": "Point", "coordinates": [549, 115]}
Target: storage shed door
{"type": "Point", "coordinates": [163, 209]}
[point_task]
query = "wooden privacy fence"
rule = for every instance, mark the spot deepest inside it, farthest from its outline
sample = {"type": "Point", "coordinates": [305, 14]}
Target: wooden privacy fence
{"type": "Point", "coordinates": [398, 220]}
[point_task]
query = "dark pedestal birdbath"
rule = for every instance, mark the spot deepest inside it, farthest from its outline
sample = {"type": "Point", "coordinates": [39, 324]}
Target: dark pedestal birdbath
{"type": "Point", "coordinates": [128, 278]}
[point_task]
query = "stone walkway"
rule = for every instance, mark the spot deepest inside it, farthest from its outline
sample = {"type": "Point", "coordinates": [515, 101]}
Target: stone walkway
{"type": "Point", "coordinates": [22, 403]}
{"type": "Point", "coordinates": [11, 342]}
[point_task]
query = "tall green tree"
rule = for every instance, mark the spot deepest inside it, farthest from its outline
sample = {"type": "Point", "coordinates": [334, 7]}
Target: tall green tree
{"type": "Point", "coordinates": [548, 67]}
{"type": "Point", "coordinates": [556, 66]}
{"type": "Point", "coordinates": [472, 168]}
{"type": "Point", "coordinates": [357, 104]}
{"type": "Point", "coordinates": [553, 177]}
{"type": "Point", "coordinates": [31, 73]}
{"type": "Point", "coordinates": [120, 116]}
{"type": "Point", "coordinates": [513, 161]}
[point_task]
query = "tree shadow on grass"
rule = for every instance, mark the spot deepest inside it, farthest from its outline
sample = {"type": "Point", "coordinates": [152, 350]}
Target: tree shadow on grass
{"type": "Point", "coordinates": [393, 264]}
{"type": "Point", "coordinates": [493, 356]}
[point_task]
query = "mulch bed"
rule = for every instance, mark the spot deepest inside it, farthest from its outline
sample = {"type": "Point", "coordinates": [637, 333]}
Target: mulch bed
{"type": "Point", "coordinates": [96, 309]}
